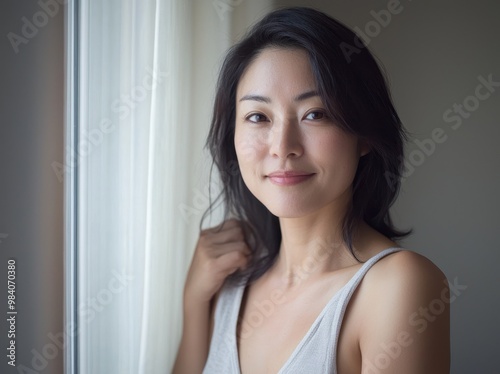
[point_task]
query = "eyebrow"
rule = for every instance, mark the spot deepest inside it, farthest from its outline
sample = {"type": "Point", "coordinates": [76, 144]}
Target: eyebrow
{"type": "Point", "coordinates": [267, 100]}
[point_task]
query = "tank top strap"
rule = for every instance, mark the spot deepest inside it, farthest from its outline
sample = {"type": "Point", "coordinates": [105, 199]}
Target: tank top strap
{"type": "Point", "coordinates": [222, 355]}
{"type": "Point", "coordinates": [348, 291]}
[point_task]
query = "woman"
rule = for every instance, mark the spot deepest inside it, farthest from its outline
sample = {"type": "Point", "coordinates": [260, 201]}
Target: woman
{"type": "Point", "coordinates": [307, 277]}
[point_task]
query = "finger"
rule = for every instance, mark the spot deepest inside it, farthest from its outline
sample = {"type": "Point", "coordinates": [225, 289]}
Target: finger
{"type": "Point", "coordinates": [227, 224]}
{"type": "Point", "coordinates": [222, 249]}
{"type": "Point", "coordinates": [232, 234]}
{"type": "Point", "coordinates": [232, 222]}
{"type": "Point", "coordinates": [211, 241]}
{"type": "Point", "coordinates": [231, 262]}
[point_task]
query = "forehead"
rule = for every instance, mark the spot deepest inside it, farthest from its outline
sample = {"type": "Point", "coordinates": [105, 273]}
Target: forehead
{"type": "Point", "coordinates": [278, 70]}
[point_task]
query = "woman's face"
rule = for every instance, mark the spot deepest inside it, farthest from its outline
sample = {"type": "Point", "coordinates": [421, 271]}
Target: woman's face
{"type": "Point", "coordinates": [281, 127]}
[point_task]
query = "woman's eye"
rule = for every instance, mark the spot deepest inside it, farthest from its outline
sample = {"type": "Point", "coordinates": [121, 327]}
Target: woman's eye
{"type": "Point", "coordinates": [256, 117]}
{"type": "Point", "coordinates": [315, 115]}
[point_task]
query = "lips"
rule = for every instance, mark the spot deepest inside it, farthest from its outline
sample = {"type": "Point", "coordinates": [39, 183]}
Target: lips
{"type": "Point", "coordinates": [289, 177]}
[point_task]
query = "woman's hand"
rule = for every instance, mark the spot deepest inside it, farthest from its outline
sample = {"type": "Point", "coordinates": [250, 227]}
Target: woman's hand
{"type": "Point", "coordinates": [219, 252]}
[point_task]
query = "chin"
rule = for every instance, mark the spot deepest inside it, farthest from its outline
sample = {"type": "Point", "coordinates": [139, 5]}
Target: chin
{"type": "Point", "coordinates": [288, 204]}
{"type": "Point", "coordinates": [289, 210]}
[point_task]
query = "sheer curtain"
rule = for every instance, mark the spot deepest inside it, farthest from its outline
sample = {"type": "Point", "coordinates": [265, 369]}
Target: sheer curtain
{"type": "Point", "coordinates": [134, 168]}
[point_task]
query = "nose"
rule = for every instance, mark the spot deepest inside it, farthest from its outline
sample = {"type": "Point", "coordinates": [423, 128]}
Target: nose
{"type": "Point", "coordinates": [285, 140]}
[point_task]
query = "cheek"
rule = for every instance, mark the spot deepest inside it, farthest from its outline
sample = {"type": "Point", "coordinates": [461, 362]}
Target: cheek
{"type": "Point", "coordinates": [251, 151]}
{"type": "Point", "coordinates": [337, 150]}
{"type": "Point", "coordinates": [250, 146]}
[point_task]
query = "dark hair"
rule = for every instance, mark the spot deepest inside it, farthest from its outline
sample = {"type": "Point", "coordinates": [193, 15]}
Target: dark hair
{"type": "Point", "coordinates": [355, 94]}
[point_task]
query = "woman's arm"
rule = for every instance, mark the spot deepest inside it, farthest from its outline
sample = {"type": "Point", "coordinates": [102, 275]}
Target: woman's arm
{"type": "Point", "coordinates": [193, 349]}
{"type": "Point", "coordinates": [218, 253]}
{"type": "Point", "coordinates": [408, 325]}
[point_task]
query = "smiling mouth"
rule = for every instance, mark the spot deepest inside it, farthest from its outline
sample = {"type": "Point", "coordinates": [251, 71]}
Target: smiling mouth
{"type": "Point", "coordinates": [288, 179]}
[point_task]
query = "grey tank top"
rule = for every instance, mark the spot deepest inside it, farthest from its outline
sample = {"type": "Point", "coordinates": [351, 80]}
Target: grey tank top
{"type": "Point", "coordinates": [317, 351]}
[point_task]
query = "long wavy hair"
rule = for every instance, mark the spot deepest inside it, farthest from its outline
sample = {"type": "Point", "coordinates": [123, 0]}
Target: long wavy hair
{"type": "Point", "coordinates": [355, 94]}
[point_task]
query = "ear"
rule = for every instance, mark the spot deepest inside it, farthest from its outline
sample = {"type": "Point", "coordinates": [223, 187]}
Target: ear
{"type": "Point", "coordinates": [364, 147]}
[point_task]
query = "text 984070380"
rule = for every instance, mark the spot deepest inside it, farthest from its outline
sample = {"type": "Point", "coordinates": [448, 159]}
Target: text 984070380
{"type": "Point", "coordinates": [11, 311]}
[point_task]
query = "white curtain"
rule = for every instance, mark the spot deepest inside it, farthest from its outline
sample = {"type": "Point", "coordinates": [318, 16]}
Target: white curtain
{"type": "Point", "coordinates": [134, 169]}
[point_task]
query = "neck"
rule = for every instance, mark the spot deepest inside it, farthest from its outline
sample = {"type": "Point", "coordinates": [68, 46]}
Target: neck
{"type": "Point", "coordinates": [311, 246]}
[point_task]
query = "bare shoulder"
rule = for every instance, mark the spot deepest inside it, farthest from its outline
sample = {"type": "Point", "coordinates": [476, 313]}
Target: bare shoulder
{"type": "Point", "coordinates": [410, 268]}
{"type": "Point", "coordinates": [404, 278]}
{"type": "Point", "coordinates": [408, 299]}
